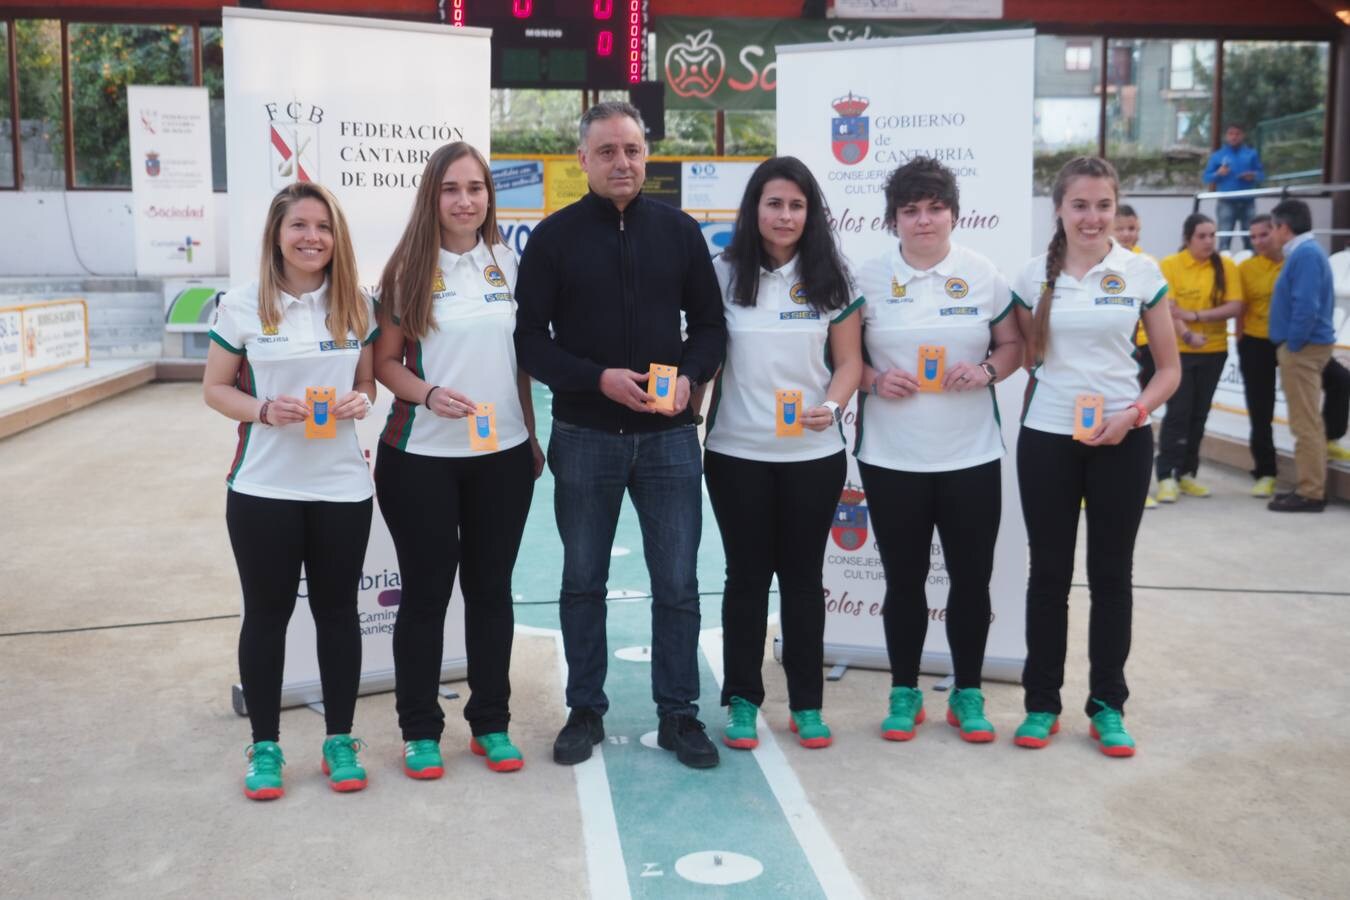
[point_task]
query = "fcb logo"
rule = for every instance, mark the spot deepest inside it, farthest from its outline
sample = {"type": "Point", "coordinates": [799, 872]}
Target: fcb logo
{"type": "Point", "coordinates": [798, 293]}
{"type": "Point", "coordinates": [956, 288]}
{"type": "Point", "coordinates": [1113, 284]}
{"type": "Point", "coordinates": [848, 130]}
{"type": "Point", "coordinates": [897, 289]}
{"type": "Point", "coordinates": [494, 276]}
{"type": "Point", "coordinates": [294, 152]}
{"type": "Point", "coordinates": [849, 529]}
{"type": "Point", "coordinates": [438, 282]}
{"type": "Point", "coordinates": [152, 164]}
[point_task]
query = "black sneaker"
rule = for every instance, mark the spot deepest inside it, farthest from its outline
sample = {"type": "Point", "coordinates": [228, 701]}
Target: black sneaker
{"type": "Point", "coordinates": [685, 735]}
{"type": "Point", "coordinates": [584, 729]}
{"type": "Point", "coordinates": [1294, 502]}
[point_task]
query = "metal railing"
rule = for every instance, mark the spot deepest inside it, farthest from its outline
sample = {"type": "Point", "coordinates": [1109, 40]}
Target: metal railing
{"type": "Point", "coordinates": [1288, 190]}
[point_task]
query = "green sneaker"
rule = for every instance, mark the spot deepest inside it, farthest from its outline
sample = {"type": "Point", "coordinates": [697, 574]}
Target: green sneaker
{"type": "Point", "coordinates": [906, 714]}
{"type": "Point", "coordinates": [965, 710]}
{"type": "Point", "coordinates": [740, 733]}
{"type": "Point", "coordinates": [422, 759]}
{"type": "Point", "coordinates": [1035, 730]}
{"type": "Point", "coordinates": [809, 729]}
{"type": "Point", "coordinates": [1108, 730]}
{"type": "Point", "coordinates": [502, 755]}
{"type": "Point", "coordinates": [262, 781]}
{"type": "Point", "coordinates": [340, 764]}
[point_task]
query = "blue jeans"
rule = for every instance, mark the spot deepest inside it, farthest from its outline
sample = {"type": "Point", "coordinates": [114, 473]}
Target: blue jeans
{"type": "Point", "coordinates": [1234, 215]}
{"type": "Point", "coordinates": [662, 472]}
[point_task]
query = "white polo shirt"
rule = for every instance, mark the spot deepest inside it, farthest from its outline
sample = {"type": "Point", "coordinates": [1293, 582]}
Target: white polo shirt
{"type": "Point", "coordinates": [1091, 347]}
{"type": "Point", "coordinates": [472, 351]}
{"type": "Point", "coordinates": [780, 343]}
{"type": "Point", "coordinates": [279, 461]}
{"type": "Point", "coordinates": [953, 305]}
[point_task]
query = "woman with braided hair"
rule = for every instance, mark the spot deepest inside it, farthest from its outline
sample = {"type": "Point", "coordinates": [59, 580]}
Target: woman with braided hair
{"type": "Point", "coordinates": [1085, 436]}
{"type": "Point", "coordinates": [1206, 291]}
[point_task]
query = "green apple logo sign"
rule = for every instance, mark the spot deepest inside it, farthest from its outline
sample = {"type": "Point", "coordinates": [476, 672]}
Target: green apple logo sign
{"type": "Point", "coordinates": [695, 66]}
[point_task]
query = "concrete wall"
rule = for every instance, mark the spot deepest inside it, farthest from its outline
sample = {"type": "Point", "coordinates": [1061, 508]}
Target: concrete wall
{"type": "Point", "coordinates": [126, 315]}
{"type": "Point", "coordinates": [40, 231]}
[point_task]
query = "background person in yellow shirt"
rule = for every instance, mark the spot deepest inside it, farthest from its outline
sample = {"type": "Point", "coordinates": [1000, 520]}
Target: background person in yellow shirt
{"type": "Point", "coordinates": [1206, 292]}
{"type": "Point", "coordinates": [1256, 354]}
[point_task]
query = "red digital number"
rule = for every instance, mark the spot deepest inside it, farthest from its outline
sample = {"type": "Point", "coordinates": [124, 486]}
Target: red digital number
{"type": "Point", "coordinates": [522, 9]}
{"type": "Point", "coordinates": [603, 9]}
{"type": "Point", "coordinates": [604, 43]}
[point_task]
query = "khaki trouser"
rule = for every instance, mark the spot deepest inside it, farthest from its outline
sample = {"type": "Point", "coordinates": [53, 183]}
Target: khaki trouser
{"type": "Point", "coordinates": [1301, 375]}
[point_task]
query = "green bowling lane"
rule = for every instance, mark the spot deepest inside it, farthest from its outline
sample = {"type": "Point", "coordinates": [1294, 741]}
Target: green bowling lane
{"type": "Point", "coordinates": [676, 826]}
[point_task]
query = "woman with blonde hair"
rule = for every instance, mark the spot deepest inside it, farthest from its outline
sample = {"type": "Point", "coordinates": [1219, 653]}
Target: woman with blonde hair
{"type": "Point", "coordinates": [1085, 436]}
{"type": "Point", "coordinates": [290, 361]}
{"type": "Point", "coordinates": [458, 456]}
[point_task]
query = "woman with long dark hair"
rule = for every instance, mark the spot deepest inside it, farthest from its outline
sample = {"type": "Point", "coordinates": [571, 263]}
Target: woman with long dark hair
{"type": "Point", "coordinates": [775, 461]}
{"type": "Point", "coordinates": [290, 361]}
{"type": "Point", "coordinates": [1085, 436]}
{"type": "Point", "coordinates": [1206, 291]}
{"type": "Point", "coordinates": [929, 449]}
{"type": "Point", "coordinates": [458, 455]}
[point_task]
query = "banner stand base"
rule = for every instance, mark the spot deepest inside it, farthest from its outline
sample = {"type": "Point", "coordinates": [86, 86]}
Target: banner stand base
{"type": "Point", "coordinates": [945, 684]}
{"type": "Point", "coordinates": [835, 674]}
{"type": "Point", "coordinates": [852, 656]}
{"type": "Point", "coordinates": [375, 681]}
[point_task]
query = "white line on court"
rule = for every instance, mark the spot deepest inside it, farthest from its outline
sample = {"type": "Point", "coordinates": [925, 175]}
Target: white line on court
{"type": "Point", "coordinates": [826, 861]}
{"type": "Point", "coordinates": [599, 829]}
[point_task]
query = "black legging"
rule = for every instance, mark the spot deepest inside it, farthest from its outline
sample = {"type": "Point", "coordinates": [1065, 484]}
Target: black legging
{"type": "Point", "coordinates": [1055, 474]}
{"type": "Point", "coordinates": [1187, 410]}
{"type": "Point", "coordinates": [1256, 360]}
{"type": "Point", "coordinates": [774, 517]}
{"type": "Point", "coordinates": [271, 539]}
{"type": "Point", "coordinates": [448, 513]}
{"type": "Point", "coordinates": [1335, 399]}
{"type": "Point", "coordinates": [964, 505]}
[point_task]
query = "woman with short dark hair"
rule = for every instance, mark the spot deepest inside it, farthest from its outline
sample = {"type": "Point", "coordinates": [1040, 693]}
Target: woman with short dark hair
{"type": "Point", "coordinates": [938, 337]}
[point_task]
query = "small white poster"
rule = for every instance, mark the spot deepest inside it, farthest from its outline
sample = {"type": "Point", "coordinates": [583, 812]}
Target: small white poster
{"type": "Point", "coordinates": [54, 335]}
{"type": "Point", "coordinates": [174, 207]}
{"type": "Point", "coordinates": [11, 344]}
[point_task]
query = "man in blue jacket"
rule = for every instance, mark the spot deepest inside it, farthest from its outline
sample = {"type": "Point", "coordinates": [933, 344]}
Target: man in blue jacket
{"type": "Point", "coordinates": [1235, 167]}
{"type": "Point", "coordinates": [601, 288]}
{"type": "Point", "coordinates": [1301, 328]}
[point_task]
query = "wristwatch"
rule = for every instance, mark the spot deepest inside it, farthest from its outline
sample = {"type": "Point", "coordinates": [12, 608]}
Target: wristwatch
{"type": "Point", "coordinates": [834, 410]}
{"type": "Point", "coordinates": [989, 370]}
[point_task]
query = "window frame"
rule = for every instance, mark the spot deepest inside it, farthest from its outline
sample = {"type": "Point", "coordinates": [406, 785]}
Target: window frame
{"type": "Point", "coordinates": [88, 17]}
{"type": "Point", "coordinates": [1103, 35]}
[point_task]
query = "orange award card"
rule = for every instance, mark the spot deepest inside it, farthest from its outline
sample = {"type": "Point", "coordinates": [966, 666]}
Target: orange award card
{"type": "Point", "coordinates": [932, 365]}
{"type": "Point", "coordinates": [1087, 415]}
{"type": "Point", "coordinates": [661, 386]}
{"type": "Point", "coordinates": [789, 414]}
{"type": "Point", "coordinates": [483, 428]}
{"type": "Point", "coordinates": [320, 423]}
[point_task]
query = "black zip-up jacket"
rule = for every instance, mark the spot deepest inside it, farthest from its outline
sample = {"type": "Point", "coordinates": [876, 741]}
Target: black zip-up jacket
{"type": "Point", "coordinates": [611, 286]}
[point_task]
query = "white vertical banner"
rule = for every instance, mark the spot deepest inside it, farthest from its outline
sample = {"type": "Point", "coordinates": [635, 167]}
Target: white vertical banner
{"type": "Point", "coordinates": [357, 105]}
{"type": "Point", "coordinates": [854, 113]}
{"type": "Point", "coordinates": [169, 131]}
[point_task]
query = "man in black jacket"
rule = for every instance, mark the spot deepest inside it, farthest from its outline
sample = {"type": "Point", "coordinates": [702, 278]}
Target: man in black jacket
{"type": "Point", "coordinates": [600, 290]}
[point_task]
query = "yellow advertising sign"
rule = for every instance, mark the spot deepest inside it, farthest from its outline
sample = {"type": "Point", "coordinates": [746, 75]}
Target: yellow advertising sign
{"type": "Point", "coordinates": [564, 182]}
